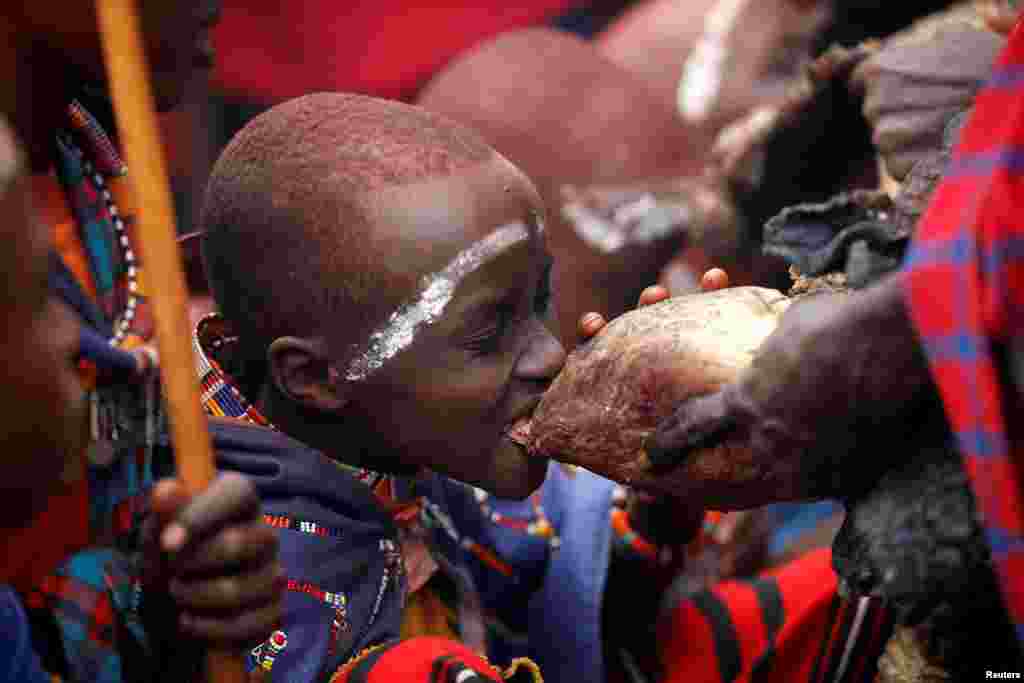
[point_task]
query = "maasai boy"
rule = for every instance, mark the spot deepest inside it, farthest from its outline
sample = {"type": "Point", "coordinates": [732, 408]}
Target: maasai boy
{"type": "Point", "coordinates": [212, 572]}
{"type": "Point", "coordinates": [382, 277]}
{"type": "Point", "coordinates": [380, 274]}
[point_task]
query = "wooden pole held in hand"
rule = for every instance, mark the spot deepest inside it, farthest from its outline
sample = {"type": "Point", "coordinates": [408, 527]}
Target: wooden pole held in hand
{"type": "Point", "coordinates": [135, 111]}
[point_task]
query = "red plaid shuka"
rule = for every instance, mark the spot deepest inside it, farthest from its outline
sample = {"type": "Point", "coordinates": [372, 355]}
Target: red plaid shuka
{"type": "Point", "coordinates": [965, 290]}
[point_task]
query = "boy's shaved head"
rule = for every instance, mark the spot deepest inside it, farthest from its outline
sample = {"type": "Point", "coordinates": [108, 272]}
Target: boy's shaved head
{"type": "Point", "coordinates": [562, 112]}
{"type": "Point", "coordinates": [289, 211]}
{"type": "Point", "coordinates": [384, 269]}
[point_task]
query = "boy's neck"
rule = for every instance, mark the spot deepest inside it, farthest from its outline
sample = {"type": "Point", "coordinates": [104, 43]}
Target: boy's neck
{"type": "Point", "coordinates": [287, 418]}
{"type": "Point", "coordinates": [324, 434]}
{"type": "Point", "coordinates": [34, 82]}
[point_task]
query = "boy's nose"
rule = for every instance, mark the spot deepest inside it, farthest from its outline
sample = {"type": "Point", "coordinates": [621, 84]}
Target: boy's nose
{"type": "Point", "coordinates": [544, 358]}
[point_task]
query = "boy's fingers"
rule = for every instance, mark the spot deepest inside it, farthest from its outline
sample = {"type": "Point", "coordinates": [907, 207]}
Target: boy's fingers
{"type": "Point", "coordinates": [716, 278]}
{"type": "Point", "coordinates": [652, 295]}
{"type": "Point", "coordinates": [168, 496]}
{"type": "Point", "coordinates": [238, 546]}
{"type": "Point", "coordinates": [230, 498]}
{"type": "Point", "coordinates": [230, 593]}
{"type": "Point", "coordinates": [249, 627]}
{"type": "Point", "coordinates": [590, 324]}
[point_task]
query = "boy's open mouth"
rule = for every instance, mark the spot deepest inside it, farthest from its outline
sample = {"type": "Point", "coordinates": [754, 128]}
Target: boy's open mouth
{"type": "Point", "coordinates": [519, 431]}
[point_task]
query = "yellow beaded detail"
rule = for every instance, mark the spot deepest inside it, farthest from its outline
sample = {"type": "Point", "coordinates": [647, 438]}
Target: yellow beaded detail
{"type": "Point", "coordinates": [527, 664]}
{"type": "Point", "coordinates": [355, 659]}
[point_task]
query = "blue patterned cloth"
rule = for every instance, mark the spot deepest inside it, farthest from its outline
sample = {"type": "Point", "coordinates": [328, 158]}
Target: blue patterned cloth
{"type": "Point", "coordinates": [18, 661]}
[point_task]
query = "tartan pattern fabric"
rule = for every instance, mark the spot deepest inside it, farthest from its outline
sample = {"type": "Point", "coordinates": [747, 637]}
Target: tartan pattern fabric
{"type": "Point", "coordinates": [117, 495]}
{"type": "Point", "coordinates": [90, 598]}
{"type": "Point", "coordinates": [964, 279]}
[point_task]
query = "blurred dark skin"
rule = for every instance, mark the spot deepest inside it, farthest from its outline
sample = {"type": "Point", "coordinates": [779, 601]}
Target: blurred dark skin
{"type": "Point", "coordinates": [210, 553]}
{"type": "Point", "coordinates": [919, 80]}
{"type": "Point", "coordinates": [45, 428]}
{"type": "Point", "coordinates": [58, 44]}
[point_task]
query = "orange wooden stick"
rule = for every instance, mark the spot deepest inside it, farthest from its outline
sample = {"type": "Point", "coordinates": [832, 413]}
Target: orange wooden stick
{"type": "Point", "coordinates": [135, 111]}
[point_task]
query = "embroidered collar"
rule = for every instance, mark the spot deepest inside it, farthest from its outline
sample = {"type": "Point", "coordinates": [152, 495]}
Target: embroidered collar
{"type": "Point", "coordinates": [221, 397]}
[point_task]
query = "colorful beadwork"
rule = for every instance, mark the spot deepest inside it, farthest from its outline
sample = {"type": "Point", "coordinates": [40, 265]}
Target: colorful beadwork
{"type": "Point", "coordinates": [124, 322]}
{"type": "Point", "coordinates": [302, 526]}
{"type": "Point", "coordinates": [106, 161]}
{"type": "Point", "coordinates": [625, 534]}
{"type": "Point", "coordinates": [434, 517]}
{"type": "Point", "coordinates": [267, 652]}
{"type": "Point", "coordinates": [629, 542]}
{"type": "Point", "coordinates": [539, 525]}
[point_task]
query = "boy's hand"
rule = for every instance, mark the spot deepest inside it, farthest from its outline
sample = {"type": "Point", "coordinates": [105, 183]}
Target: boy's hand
{"type": "Point", "coordinates": [217, 560]}
{"type": "Point", "coordinates": [592, 323]}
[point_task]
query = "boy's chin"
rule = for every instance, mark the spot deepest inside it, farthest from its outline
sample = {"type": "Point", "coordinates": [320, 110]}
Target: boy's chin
{"type": "Point", "coordinates": [514, 474]}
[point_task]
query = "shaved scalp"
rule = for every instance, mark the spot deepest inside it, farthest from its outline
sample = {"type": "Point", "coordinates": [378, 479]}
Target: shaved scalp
{"type": "Point", "coordinates": [563, 113]}
{"type": "Point", "coordinates": [288, 240]}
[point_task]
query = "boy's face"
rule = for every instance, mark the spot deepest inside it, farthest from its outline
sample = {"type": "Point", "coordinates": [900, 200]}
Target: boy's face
{"type": "Point", "coordinates": [44, 426]}
{"type": "Point", "coordinates": [176, 34]}
{"type": "Point", "coordinates": [445, 396]}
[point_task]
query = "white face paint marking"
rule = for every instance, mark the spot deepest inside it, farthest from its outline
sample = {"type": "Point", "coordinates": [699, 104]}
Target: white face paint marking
{"type": "Point", "coordinates": [639, 221]}
{"type": "Point", "coordinates": [436, 291]}
{"type": "Point", "coordinates": [593, 229]}
{"type": "Point", "coordinates": [704, 69]}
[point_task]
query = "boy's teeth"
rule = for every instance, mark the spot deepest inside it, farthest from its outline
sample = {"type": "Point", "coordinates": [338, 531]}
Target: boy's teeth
{"type": "Point", "coordinates": [520, 431]}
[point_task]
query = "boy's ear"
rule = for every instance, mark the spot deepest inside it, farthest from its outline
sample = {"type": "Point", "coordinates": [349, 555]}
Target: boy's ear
{"type": "Point", "coordinates": [301, 371]}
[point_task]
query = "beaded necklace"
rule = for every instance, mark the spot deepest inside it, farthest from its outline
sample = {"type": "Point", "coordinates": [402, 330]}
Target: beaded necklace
{"type": "Point", "coordinates": [124, 321]}
{"type": "Point", "coordinates": [540, 526]}
{"type": "Point", "coordinates": [102, 223]}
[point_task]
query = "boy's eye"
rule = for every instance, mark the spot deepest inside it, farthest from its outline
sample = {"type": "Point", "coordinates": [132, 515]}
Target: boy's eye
{"type": "Point", "coordinates": [488, 340]}
{"type": "Point", "coordinates": [504, 315]}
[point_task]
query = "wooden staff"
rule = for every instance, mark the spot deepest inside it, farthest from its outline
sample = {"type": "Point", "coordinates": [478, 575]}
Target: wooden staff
{"type": "Point", "coordinates": [135, 111]}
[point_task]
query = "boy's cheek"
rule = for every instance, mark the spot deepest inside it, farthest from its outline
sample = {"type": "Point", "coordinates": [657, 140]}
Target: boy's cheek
{"type": "Point", "coordinates": [446, 398]}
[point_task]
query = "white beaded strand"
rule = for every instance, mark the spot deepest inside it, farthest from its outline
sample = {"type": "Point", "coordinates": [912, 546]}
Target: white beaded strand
{"type": "Point", "coordinates": [124, 321]}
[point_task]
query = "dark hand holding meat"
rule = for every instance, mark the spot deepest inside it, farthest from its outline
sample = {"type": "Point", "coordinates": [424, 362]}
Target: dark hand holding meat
{"type": "Point", "coordinates": [830, 397]}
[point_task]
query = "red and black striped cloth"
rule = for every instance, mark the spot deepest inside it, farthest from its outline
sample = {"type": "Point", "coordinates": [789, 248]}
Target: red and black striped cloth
{"type": "Point", "coordinates": [431, 660]}
{"type": "Point", "coordinates": [965, 290]}
{"type": "Point", "coordinates": [786, 625]}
